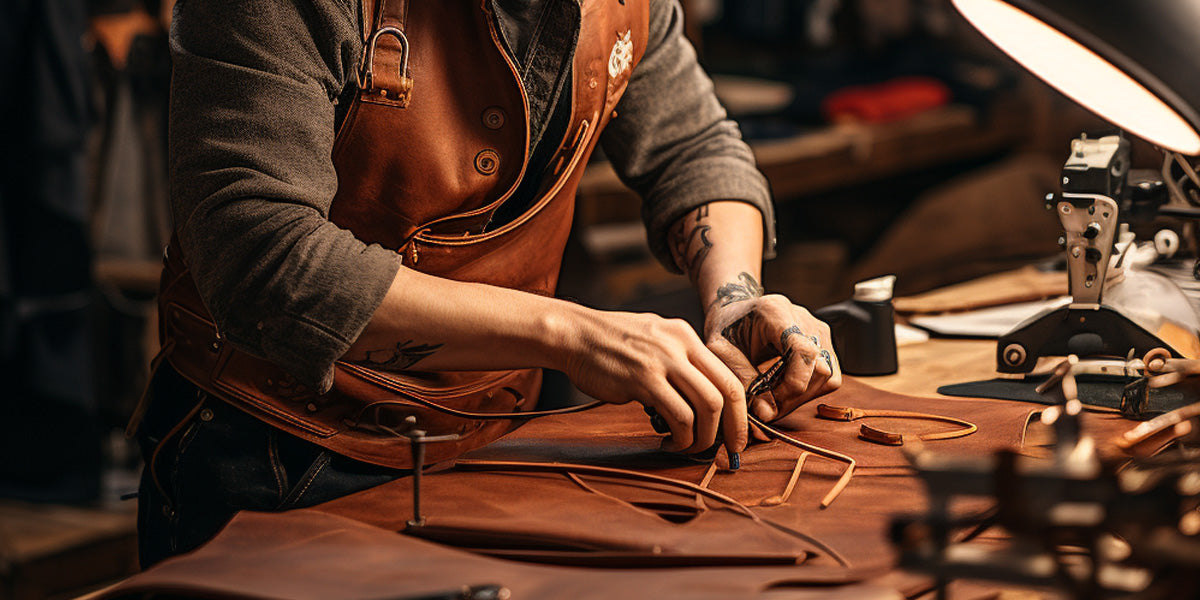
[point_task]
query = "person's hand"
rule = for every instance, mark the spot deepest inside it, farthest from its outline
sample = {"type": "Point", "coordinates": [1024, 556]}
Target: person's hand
{"type": "Point", "coordinates": [661, 363]}
{"type": "Point", "coordinates": [750, 331]}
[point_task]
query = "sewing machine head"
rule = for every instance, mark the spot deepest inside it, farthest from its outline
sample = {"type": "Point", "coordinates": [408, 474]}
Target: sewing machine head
{"type": "Point", "coordinates": [1112, 312]}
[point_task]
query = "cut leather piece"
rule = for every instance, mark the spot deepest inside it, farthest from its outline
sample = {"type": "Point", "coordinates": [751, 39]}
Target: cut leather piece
{"type": "Point", "coordinates": [854, 525]}
{"type": "Point", "coordinates": [621, 435]}
{"type": "Point", "coordinates": [889, 438]}
{"type": "Point", "coordinates": [807, 448]}
{"type": "Point", "coordinates": [597, 517]}
{"type": "Point", "coordinates": [311, 555]}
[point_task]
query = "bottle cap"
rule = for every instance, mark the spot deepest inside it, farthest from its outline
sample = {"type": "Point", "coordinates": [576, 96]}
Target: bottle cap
{"type": "Point", "coordinates": [875, 290]}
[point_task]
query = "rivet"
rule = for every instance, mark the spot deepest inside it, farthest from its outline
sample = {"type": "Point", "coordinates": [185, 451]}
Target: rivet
{"type": "Point", "coordinates": [206, 415]}
{"type": "Point", "coordinates": [311, 407]}
{"type": "Point", "coordinates": [487, 162]}
{"type": "Point", "coordinates": [493, 117]}
{"type": "Point", "coordinates": [592, 83]}
{"type": "Point", "coordinates": [383, 93]}
{"type": "Point", "coordinates": [270, 382]}
{"type": "Point", "coordinates": [259, 325]}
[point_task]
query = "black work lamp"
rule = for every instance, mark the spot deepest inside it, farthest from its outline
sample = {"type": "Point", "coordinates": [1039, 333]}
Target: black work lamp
{"type": "Point", "coordinates": [1134, 62]}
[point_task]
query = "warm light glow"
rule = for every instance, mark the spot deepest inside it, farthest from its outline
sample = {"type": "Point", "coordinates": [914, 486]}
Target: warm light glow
{"type": "Point", "coordinates": [1081, 74]}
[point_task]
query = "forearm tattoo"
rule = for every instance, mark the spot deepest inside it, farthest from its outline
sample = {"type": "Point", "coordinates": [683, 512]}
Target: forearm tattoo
{"type": "Point", "coordinates": [748, 288]}
{"type": "Point", "coordinates": [404, 355]}
{"type": "Point", "coordinates": [689, 241]}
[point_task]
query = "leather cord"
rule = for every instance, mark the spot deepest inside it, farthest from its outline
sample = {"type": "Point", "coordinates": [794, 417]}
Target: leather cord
{"type": "Point", "coordinates": [571, 469]}
{"type": "Point", "coordinates": [842, 481]}
{"type": "Point", "coordinates": [889, 438]}
{"type": "Point", "coordinates": [791, 484]}
{"type": "Point", "coordinates": [516, 465]}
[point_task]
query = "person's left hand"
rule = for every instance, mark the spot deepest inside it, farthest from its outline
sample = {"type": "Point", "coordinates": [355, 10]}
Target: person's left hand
{"type": "Point", "coordinates": [749, 332]}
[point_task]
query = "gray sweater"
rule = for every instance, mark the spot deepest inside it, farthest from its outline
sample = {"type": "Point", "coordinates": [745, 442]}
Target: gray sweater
{"type": "Point", "coordinates": [251, 133]}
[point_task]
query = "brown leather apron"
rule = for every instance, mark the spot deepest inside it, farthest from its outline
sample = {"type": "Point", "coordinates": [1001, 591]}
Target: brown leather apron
{"type": "Point", "coordinates": [423, 160]}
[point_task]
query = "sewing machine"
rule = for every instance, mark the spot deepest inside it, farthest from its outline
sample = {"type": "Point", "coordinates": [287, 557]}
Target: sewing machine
{"type": "Point", "coordinates": [1112, 313]}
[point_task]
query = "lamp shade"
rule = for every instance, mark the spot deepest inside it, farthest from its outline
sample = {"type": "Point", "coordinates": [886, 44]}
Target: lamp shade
{"type": "Point", "coordinates": [1135, 63]}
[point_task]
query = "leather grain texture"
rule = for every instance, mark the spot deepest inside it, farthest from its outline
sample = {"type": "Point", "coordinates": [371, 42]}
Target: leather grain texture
{"type": "Point", "coordinates": [309, 555]}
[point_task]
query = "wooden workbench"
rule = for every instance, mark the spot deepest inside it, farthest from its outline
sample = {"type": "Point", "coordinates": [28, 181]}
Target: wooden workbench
{"type": "Point", "coordinates": [927, 365]}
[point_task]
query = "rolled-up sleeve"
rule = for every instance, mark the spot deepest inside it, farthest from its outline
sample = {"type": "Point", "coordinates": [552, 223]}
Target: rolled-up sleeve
{"type": "Point", "coordinates": [251, 135]}
{"type": "Point", "coordinates": [673, 142]}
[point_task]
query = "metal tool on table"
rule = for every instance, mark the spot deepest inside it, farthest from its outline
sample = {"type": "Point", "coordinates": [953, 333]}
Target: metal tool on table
{"type": "Point", "coordinates": [1141, 312]}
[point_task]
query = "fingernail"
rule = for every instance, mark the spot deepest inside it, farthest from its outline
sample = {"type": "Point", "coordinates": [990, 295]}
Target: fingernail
{"type": "Point", "coordinates": [735, 461]}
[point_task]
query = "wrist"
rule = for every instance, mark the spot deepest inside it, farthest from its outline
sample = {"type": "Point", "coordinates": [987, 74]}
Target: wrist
{"type": "Point", "coordinates": [560, 334]}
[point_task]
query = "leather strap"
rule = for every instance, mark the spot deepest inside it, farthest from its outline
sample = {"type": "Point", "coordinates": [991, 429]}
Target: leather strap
{"type": "Point", "coordinates": [384, 75]}
{"type": "Point", "coordinates": [791, 484]}
{"type": "Point", "coordinates": [888, 438]}
{"type": "Point", "coordinates": [842, 481]}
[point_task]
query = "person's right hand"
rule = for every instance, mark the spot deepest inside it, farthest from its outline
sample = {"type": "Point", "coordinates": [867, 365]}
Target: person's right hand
{"type": "Point", "coordinates": [619, 357]}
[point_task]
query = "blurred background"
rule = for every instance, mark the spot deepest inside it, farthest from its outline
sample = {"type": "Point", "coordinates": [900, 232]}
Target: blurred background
{"type": "Point", "coordinates": [895, 139]}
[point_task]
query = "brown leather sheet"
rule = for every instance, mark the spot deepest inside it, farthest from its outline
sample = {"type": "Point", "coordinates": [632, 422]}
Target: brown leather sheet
{"type": "Point", "coordinates": [536, 525]}
{"type": "Point", "coordinates": [305, 554]}
{"type": "Point", "coordinates": [854, 526]}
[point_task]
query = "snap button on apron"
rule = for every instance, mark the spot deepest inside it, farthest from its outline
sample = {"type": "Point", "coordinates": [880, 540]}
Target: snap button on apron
{"type": "Point", "coordinates": [487, 162]}
{"type": "Point", "coordinates": [493, 117]}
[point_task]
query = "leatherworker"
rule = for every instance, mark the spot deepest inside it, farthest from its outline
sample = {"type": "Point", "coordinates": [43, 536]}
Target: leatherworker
{"type": "Point", "coordinates": [372, 199]}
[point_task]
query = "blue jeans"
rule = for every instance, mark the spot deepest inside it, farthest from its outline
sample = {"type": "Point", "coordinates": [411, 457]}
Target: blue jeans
{"type": "Point", "coordinates": [206, 460]}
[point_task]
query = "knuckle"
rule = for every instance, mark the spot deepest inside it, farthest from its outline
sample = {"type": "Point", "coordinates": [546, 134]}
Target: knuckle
{"type": "Point", "coordinates": [683, 328]}
{"type": "Point", "coordinates": [732, 389]}
{"type": "Point", "coordinates": [686, 420]}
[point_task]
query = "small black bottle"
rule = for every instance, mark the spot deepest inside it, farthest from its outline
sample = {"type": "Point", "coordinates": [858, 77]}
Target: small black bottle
{"type": "Point", "coordinates": [864, 328]}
